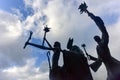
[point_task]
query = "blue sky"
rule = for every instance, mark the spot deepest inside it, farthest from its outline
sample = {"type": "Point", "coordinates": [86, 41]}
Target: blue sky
{"type": "Point", "coordinates": [8, 6]}
{"type": "Point", "coordinates": [18, 17]}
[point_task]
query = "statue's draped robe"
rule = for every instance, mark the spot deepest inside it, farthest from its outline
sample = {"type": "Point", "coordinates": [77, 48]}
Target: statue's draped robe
{"type": "Point", "coordinates": [113, 69]}
{"type": "Point", "coordinates": [75, 68]}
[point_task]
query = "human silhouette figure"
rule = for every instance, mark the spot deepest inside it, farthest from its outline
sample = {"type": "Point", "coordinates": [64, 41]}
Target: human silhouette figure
{"type": "Point", "coordinates": [56, 54]}
{"type": "Point", "coordinates": [75, 63]}
{"type": "Point", "coordinates": [112, 65]}
{"type": "Point", "coordinates": [56, 71]}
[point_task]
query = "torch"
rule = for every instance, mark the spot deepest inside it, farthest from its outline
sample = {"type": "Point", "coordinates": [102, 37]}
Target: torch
{"type": "Point", "coordinates": [83, 45]}
{"type": "Point", "coordinates": [46, 29]}
{"type": "Point", "coordinates": [83, 8]}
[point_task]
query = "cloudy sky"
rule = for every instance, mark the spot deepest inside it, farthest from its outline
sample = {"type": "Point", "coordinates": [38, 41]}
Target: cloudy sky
{"type": "Point", "coordinates": [18, 17]}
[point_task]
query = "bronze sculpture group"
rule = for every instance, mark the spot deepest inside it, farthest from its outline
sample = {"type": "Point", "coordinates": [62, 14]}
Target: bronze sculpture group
{"type": "Point", "coordinates": [75, 63]}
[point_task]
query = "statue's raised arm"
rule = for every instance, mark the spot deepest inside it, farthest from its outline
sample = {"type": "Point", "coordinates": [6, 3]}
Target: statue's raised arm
{"type": "Point", "coordinates": [99, 22]}
{"type": "Point", "coordinates": [112, 65]}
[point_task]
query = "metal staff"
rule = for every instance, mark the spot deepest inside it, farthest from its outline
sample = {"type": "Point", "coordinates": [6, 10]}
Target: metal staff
{"type": "Point", "coordinates": [95, 65]}
{"type": "Point", "coordinates": [48, 56]}
{"type": "Point", "coordinates": [28, 39]}
{"type": "Point", "coordinates": [89, 56]}
{"type": "Point", "coordinates": [46, 29]}
{"type": "Point", "coordinates": [83, 45]}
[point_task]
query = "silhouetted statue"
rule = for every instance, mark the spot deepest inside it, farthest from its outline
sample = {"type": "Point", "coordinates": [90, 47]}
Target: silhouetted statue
{"type": "Point", "coordinates": [112, 65]}
{"type": "Point", "coordinates": [75, 63]}
{"type": "Point", "coordinates": [56, 73]}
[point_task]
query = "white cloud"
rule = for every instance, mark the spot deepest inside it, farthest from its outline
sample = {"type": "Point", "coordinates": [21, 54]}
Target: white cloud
{"type": "Point", "coordinates": [12, 41]}
{"type": "Point", "coordinates": [115, 39]}
{"type": "Point", "coordinates": [26, 72]}
{"type": "Point", "coordinates": [10, 27]}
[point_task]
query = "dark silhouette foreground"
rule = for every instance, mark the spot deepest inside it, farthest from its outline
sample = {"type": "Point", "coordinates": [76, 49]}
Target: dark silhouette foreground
{"type": "Point", "coordinates": [75, 64]}
{"type": "Point", "coordinates": [112, 65]}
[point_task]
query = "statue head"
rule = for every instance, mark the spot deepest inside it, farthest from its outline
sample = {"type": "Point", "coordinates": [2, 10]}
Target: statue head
{"type": "Point", "coordinates": [57, 44]}
{"type": "Point", "coordinates": [73, 48]}
{"type": "Point", "coordinates": [76, 49]}
{"type": "Point", "coordinates": [97, 39]}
